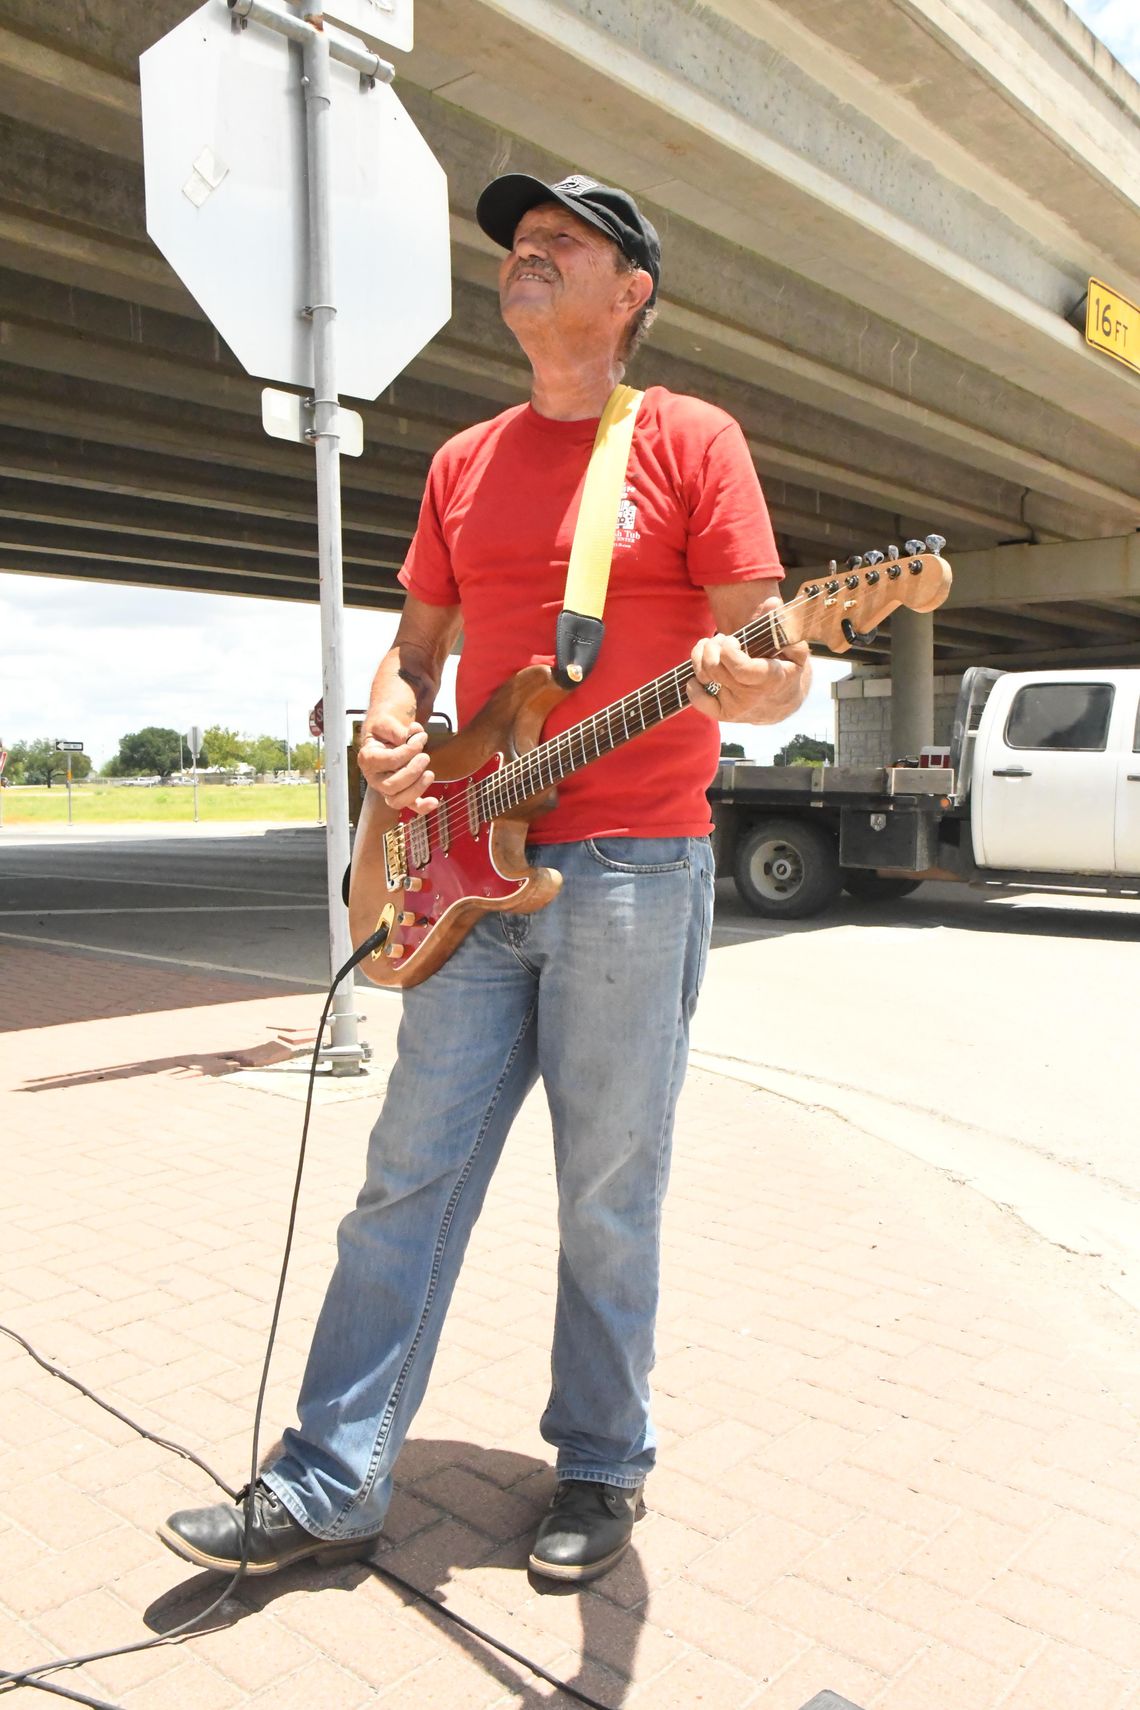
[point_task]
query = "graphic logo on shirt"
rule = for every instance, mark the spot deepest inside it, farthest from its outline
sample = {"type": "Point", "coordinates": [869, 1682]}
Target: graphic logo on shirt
{"type": "Point", "coordinates": [626, 533]}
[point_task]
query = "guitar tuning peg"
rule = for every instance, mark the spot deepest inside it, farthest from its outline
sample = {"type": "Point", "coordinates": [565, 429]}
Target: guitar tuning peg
{"type": "Point", "coordinates": [873, 558]}
{"type": "Point", "coordinates": [892, 553]}
{"type": "Point", "coordinates": [914, 546]}
{"type": "Point", "coordinates": [855, 562]}
{"type": "Point", "coordinates": [832, 566]}
{"type": "Point", "coordinates": [935, 542]}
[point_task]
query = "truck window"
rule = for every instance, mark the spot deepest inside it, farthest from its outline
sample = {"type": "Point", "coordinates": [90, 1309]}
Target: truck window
{"type": "Point", "coordinates": [1060, 715]}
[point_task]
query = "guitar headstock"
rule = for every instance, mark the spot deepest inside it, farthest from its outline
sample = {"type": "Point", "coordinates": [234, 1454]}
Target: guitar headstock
{"type": "Point", "coordinates": [843, 608]}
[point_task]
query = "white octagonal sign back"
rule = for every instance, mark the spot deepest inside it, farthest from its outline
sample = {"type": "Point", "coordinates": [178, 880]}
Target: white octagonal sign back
{"type": "Point", "coordinates": [224, 146]}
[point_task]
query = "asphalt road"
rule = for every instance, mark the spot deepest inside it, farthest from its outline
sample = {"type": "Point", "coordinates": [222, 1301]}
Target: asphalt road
{"type": "Point", "coordinates": [993, 1035]}
{"type": "Point", "coordinates": [249, 901]}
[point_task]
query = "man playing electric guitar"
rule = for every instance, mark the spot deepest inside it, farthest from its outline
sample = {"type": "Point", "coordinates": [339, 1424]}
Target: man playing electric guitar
{"type": "Point", "coordinates": [595, 992]}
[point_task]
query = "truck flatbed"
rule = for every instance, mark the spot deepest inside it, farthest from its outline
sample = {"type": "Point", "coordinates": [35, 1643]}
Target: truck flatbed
{"type": "Point", "coordinates": [838, 786]}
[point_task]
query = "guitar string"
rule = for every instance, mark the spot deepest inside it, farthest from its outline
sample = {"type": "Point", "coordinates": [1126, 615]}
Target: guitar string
{"type": "Point", "coordinates": [476, 799]}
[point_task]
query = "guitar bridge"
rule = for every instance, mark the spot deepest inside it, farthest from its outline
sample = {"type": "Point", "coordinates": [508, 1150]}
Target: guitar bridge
{"type": "Point", "coordinates": [396, 858]}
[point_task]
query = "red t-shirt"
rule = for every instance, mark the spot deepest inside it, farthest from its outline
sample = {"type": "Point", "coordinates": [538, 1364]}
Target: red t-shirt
{"type": "Point", "coordinates": [494, 537]}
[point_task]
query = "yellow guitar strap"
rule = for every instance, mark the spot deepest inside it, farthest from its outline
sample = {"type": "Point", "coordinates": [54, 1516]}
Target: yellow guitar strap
{"type": "Point", "coordinates": [579, 631]}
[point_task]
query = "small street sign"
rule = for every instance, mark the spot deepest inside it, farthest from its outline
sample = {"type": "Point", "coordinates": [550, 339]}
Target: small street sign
{"type": "Point", "coordinates": [286, 416]}
{"type": "Point", "coordinates": [317, 720]}
{"type": "Point", "coordinates": [1112, 324]}
{"type": "Point", "coordinates": [194, 740]}
{"type": "Point", "coordinates": [63, 747]}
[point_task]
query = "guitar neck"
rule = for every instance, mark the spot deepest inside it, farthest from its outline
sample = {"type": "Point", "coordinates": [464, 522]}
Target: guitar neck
{"type": "Point", "coordinates": [545, 766]}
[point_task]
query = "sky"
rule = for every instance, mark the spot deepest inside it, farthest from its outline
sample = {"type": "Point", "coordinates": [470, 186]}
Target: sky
{"type": "Point", "coordinates": [1117, 23]}
{"type": "Point", "coordinates": [90, 662]}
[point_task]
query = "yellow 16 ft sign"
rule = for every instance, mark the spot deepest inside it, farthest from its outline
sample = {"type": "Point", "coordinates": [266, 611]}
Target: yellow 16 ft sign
{"type": "Point", "coordinates": [1112, 324]}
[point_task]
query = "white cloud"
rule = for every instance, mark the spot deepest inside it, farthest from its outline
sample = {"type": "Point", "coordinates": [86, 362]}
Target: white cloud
{"type": "Point", "coordinates": [1117, 23]}
{"type": "Point", "coordinates": [91, 661]}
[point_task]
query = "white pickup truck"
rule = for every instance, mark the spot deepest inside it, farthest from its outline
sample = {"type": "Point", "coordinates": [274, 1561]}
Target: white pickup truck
{"type": "Point", "coordinates": [1042, 788]}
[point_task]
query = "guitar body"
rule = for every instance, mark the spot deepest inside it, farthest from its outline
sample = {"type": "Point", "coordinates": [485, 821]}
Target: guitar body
{"type": "Point", "coordinates": [425, 879]}
{"type": "Point", "coordinates": [476, 874]}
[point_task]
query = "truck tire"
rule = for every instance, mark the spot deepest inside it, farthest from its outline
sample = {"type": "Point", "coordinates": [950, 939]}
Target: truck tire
{"type": "Point", "coordinates": [866, 886]}
{"type": "Point", "coordinates": [786, 869]}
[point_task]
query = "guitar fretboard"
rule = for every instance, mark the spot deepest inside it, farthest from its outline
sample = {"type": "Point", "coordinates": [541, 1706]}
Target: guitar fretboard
{"type": "Point", "coordinates": [545, 766]}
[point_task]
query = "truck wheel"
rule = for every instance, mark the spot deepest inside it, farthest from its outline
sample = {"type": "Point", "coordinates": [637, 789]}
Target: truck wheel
{"type": "Point", "coordinates": [786, 870]}
{"type": "Point", "coordinates": [865, 886]}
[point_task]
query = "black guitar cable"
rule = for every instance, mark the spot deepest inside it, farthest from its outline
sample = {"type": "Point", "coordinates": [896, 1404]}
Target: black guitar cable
{"type": "Point", "coordinates": [34, 1676]}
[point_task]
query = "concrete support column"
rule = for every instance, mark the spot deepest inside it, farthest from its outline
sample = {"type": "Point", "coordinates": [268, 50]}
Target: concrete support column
{"type": "Point", "coordinates": [912, 682]}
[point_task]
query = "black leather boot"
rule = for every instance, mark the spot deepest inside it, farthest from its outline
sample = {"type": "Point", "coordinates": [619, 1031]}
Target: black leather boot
{"type": "Point", "coordinates": [212, 1537]}
{"type": "Point", "coordinates": [585, 1531]}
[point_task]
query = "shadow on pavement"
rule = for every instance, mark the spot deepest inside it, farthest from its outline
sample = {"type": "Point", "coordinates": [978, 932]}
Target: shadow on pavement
{"type": "Point", "coordinates": [211, 1065]}
{"type": "Point", "coordinates": [603, 1618]}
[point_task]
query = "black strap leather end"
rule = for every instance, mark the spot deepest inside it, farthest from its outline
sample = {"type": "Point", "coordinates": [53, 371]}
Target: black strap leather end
{"type": "Point", "coordinates": [578, 641]}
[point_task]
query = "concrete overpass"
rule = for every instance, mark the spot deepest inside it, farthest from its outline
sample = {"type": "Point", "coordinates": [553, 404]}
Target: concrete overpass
{"type": "Point", "coordinates": [879, 219]}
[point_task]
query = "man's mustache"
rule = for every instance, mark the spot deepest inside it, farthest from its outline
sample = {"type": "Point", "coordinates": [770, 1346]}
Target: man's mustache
{"type": "Point", "coordinates": [545, 270]}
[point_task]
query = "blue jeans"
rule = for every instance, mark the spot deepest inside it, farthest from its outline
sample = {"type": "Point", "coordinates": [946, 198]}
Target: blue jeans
{"type": "Point", "coordinates": [595, 994]}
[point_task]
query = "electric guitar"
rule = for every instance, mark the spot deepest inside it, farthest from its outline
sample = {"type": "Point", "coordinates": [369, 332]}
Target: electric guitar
{"type": "Point", "coordinates": [421, 881]}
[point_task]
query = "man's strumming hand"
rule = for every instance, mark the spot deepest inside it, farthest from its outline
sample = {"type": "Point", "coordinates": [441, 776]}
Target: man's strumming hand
{"type": "Point", "coordinates": [392, 758]}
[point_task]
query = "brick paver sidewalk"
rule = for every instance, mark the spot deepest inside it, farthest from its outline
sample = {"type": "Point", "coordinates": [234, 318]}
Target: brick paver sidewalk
{"type": "Point", "coordinates": [899, 1446]}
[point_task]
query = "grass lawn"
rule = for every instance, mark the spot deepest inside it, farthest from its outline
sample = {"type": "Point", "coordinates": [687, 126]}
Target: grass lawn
{"type": "Point", "coordinates": [108, 804]}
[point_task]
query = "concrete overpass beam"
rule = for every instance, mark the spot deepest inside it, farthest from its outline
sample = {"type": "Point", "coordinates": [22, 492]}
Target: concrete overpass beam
{"type": "Point", "coordinates": [1093, 570]}
{"type": "Point", "coordinates": [95, 106]}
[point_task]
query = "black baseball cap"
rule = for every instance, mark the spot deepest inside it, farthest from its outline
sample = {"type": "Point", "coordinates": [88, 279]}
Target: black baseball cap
{"type": "Point", "coordinates": [614, 212]}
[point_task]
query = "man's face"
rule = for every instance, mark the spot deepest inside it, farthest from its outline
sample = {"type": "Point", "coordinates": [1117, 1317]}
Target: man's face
{"type": "Point", "coordinates": [563, 274]}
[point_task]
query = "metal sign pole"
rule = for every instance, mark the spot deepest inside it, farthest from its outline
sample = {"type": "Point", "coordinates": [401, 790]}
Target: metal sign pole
{"type": "Point", "coordinates": [345, 1051]}
{"type": "Point", "coordinates": [227, 163]}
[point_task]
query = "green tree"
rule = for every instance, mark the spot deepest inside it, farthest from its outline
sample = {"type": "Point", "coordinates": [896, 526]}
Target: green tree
{"type": "Point", "coordinates": [732, 751]}
{"type": "Point", "coordinates": [144, 752]}
{"type": "Point", "coordinates": [265, 754]}
{"type": "Point", "coordinates": [221, 747]}
{"type": "Point", "coordinates": [306, 757]}
{"type": "Point", "coordinates": [35, 763]}
{"type": "Point", "coordinates": [805, 751]}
